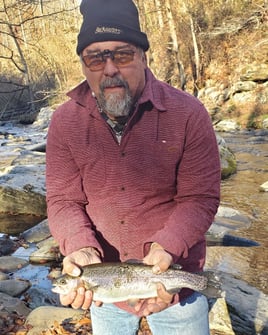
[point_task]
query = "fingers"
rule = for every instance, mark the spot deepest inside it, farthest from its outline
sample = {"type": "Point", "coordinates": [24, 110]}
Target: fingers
{"type": "Point", "coordinates": [82, 257]}
{"type": "Point", "coordinates": [154, 308]}
{"type": "Point", "coordinates": [139, 305]}
{"type": "Point", "coordinates": [70, 267]}
{"type": "Point", "coordinates": [149, 306]}
{"type": "Point", "coordinates": [68, 298]}
{"type": "Point", "coordinates": [146, 307]}
{"type": "Point", "coordinates": [78, 299]}
{"type": "Point", "coordinates": [159, 258]}
{"type": "Point", "coordinates": [163, 295]}
{"type": "Point", "coordinates": [163, 264]}
{"type": "Point", "coordinates": [98, 303]}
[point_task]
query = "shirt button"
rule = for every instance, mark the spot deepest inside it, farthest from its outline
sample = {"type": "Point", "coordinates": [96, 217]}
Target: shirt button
{"type": "Point", "coordinates": [123, 154]}
{"type": "Point", "coordinates": [125, 254]}
{"type": "Point", "coordinates": [122, 221]}
{"type": "Point", "coordinates": [122, 188]}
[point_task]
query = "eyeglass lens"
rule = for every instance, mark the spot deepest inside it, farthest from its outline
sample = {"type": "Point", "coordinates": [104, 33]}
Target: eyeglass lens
{"type": "Point", "coordinates": [119, 57]}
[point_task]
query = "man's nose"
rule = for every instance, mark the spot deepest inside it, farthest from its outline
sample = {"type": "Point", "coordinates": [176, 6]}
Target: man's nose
{"type": "Point", "coordinates": [110, 68]}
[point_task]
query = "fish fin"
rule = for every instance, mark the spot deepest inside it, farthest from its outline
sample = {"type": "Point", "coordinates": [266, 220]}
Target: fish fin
{"type": "Point", "coordinates": [133, 261]}
{"type": "Point", "coordinates": [213, 289]}
{"type": "Point", "coordinates": [176, 267]}
{"type": "Point", "coordinates": [173, 291]}
{"type": "Point", "coordinates": [132, 302]}
{"type": "Point", "coordinates": [170, 291]}
{"type": "Point", "coordinates": [90, 287]}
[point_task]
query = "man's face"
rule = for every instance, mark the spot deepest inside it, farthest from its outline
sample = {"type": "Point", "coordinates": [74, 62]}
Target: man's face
{"type": "Point", "coordinates": [118, 83]}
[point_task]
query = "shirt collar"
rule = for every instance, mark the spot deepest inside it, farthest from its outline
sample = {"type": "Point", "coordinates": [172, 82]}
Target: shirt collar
{"type": "Point", "coordinates": [81, 94]}
{"type": "Point", "coordinates": [152, 92]}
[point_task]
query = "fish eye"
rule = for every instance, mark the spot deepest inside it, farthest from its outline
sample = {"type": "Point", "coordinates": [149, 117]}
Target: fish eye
{"type": "Point", "coordinates": [62, 281]}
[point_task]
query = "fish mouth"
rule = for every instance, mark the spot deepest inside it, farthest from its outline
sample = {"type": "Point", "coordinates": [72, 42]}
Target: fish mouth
{"type": "Point", "coordinates": [59, 290]}
{"type": "Point", "coordinates": [55, 289]}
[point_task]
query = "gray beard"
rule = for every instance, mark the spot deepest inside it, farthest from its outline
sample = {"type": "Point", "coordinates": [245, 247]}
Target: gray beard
{"type": "Point", "coordinates": [114, 104]}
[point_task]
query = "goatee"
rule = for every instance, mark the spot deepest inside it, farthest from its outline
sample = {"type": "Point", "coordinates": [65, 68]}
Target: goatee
{"type": "Point", "coordinates": [115, 104]}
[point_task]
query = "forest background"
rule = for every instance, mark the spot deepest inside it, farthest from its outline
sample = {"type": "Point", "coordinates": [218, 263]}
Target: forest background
{"type": "Point", "coordinates": [193, 43]}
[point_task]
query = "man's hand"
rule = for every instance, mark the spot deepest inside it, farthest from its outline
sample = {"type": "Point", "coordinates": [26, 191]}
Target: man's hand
{"type": "Point", "coordinates": [161, 261]}
{"type": "Point", "coordinates": [154, 305]}
{"type": "Point", "coordinates": [71, 265]}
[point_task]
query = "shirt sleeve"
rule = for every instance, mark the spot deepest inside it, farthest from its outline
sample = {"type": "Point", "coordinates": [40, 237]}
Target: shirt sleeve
{"type": "Point", "coordinates": [198, 189]}
{"type": "Point", "coordinates": [66, 201]}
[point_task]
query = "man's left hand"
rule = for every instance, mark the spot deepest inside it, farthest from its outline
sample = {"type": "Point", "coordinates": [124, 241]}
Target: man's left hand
{"type": "Point", "coordinates": [161, 261]}
{"type": "Point", "coordinates": [154, 305]}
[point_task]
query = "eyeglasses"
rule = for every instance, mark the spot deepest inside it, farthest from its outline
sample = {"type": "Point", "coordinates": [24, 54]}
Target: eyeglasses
{"type": "Point", "coordinates": [96, 62]}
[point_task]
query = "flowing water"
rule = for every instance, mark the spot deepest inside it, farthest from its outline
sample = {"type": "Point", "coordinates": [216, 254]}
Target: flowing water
{"type": "Point", "coordinates": [242, 192]}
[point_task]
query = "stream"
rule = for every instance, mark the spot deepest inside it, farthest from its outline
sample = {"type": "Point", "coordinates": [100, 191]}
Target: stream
{"type": "Point", "coordinates": [245, 269]}
{"type": "Point", "coordinates": [242, 192]}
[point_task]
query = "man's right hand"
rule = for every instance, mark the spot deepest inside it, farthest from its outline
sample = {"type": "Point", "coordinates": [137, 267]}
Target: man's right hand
{"type": "Point", "coordinates": [81, 298]}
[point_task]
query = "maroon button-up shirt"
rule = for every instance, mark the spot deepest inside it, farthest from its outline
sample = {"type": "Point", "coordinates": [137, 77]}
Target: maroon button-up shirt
{"type": "Point", "coordinates": [160, 184]}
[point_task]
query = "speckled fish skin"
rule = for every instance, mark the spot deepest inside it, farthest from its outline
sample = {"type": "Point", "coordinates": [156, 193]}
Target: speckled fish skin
{"type": "Point", "coordinates": [114, 282]}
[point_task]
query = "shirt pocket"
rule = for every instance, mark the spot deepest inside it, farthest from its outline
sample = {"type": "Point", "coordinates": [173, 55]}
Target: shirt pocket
{"type": "Point", "coordinates": [158, 164]}
{"type": "Point", "coordinates": [92, 165]}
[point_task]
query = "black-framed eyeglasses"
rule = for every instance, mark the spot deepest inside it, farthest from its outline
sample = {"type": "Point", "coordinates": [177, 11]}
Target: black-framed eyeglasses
{"type": "Point", "coordinates": [120, 57]}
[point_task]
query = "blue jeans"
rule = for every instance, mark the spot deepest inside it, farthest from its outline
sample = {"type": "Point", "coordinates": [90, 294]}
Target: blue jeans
{"type": "Point", "coordinates": [190, 317]}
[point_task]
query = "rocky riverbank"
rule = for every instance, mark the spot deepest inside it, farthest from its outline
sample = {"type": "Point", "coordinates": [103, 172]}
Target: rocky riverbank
{"type": "Point", "coordinates": [28, 306]}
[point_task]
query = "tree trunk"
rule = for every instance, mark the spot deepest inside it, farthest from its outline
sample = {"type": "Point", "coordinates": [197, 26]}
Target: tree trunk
{"type": "Point", "coordinates": [196, 73]}
{"type": "Point", "coordinates": [175, 45]}
{"type": "Point", "coordinates": [159, 14]}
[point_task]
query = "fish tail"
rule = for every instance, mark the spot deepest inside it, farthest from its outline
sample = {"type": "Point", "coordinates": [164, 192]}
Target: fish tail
{"type": "Point", "coordinates": [213, 289]}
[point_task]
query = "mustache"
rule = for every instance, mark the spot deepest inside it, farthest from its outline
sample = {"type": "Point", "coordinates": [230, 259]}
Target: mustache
{"type": "Point", "coordinates": [108, 82]}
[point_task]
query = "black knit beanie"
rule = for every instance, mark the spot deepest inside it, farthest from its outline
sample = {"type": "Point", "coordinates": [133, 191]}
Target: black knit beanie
{"type": "Point", "coordinates": [110, 20]}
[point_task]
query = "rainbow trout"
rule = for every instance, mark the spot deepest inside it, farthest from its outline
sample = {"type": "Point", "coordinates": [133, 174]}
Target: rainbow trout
{"type": "Point", "coordinates": [114, 282]}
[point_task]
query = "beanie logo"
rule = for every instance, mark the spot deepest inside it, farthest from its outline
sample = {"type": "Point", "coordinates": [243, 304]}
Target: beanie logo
{"type": "Point", "coordinates": [110, 30]}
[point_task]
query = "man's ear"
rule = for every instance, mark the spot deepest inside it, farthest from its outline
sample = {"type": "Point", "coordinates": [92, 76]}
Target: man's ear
{"type": "Point", "coordinates": [144, 58]}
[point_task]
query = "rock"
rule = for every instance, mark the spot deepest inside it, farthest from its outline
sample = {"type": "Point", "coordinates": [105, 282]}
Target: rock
{"type": "Point", "coordinates": [248, 306]}
{"type": "Point", "coordinates": [22, 198]}
{"type": "Point", "coordinates": [22, 179]}
{"type": "Point", "coordinates": [254, 72]}
{"type": "Point", "coordinates": [14, 287]}
{"type": "Point", "coordinates": [11, 263]}
{"type": "Point", "coordinates": [226, 222]}
{"type": "Point", "coordinates": [264, 187]}
{"type": "Point", "coordinates": [262, 96]}
{"type": "Point", "coordinates": [219, 319]}
{"type": "Point", "coordinates": [265, 123]}
{"type": "Point", "coordinates": [37, 233]}
{"type": "Point", "coordinates": [3, 276]}
{"type": "Point", "coordinates": [228, 160]}
{"type": "Point", "coordinates": [27, 158]}
{"type": "Point", "coordinates": [11, 304]}
{"type": "Point", "coordinates": [243, 86]}
{"type": "Point", "coordinates": [245, 97]}
{"type": "Point", "coordinates": [49, 251]}
{"type": "Point", "coordinates": [228, 219]}
{"type": "Point", "coordinates": [43, 318]}
{"type": "Point", "coordinates": [7, 245]}
{"type": "Point", "coordinates": [43, 118]}
{"type": "Point", "coordinates": [227, 125]}
{"type": "Point", "coordinates": [40, 147]}
{"type": "Point", "coordinates": [40, 296]}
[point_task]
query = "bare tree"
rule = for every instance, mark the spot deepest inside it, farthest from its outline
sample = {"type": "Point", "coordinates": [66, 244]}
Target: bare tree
{"type": "Point", "coordinates": [19, 37]}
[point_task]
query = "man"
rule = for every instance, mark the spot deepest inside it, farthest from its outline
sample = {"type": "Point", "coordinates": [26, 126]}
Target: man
{"type": "Point", "coordinates": [133, 172]}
